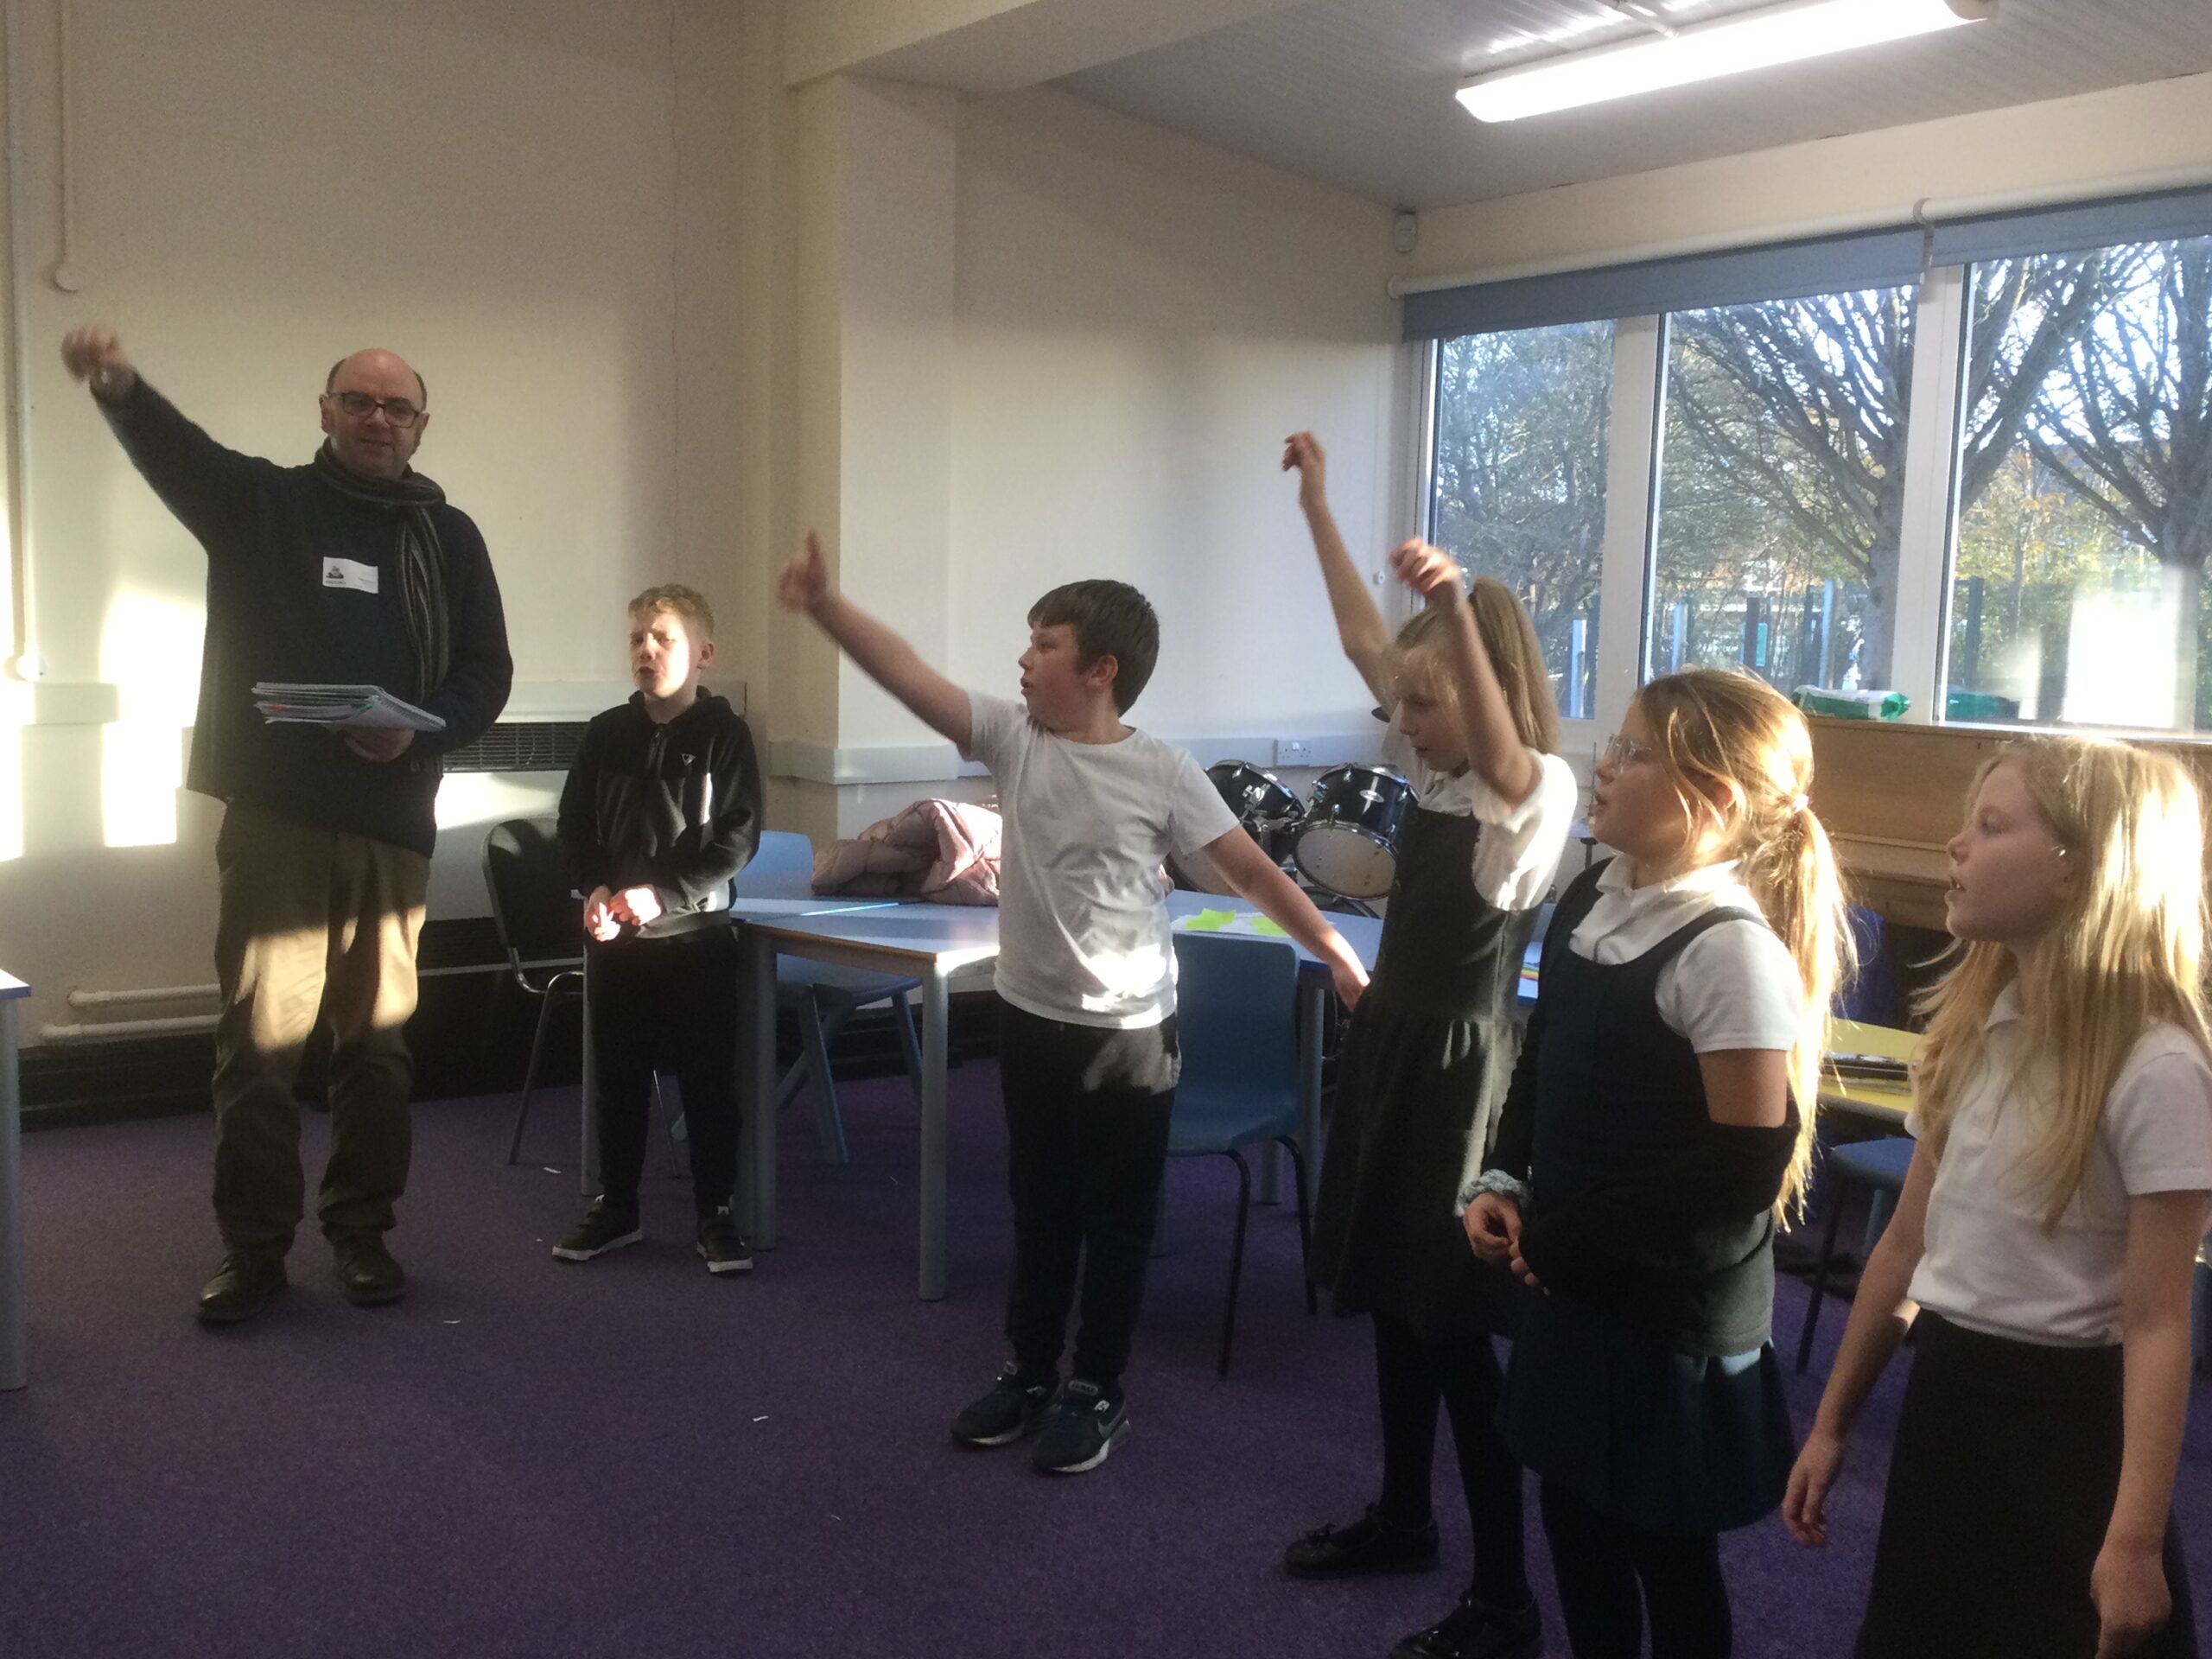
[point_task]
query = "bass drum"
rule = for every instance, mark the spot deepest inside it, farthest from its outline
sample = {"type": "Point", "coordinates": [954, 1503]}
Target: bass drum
{"type": "Point", "coordinates": [1348, 841]}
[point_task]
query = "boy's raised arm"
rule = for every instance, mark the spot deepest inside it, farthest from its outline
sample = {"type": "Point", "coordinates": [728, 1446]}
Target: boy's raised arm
{"type": "Point", "coordinates": [885, 657]}
{"type": "Point", "coordinates": [1252, 874]}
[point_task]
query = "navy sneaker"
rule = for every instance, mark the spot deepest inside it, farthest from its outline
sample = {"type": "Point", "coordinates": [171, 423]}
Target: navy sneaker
{"type": "Point", "coordinates": [1085, 1429]}
{"type": "Point", "coordinates": [722, 1246]}
{"type": "Point", "coordinates": [1011, 1409]}
{"type": "Point", "coordinates": [601, 1231]}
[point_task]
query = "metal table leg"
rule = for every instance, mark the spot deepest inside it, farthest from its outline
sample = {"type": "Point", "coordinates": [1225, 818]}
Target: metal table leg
{"type": "Point", "coordinates": [14, 1356]}
{"type": "Point", "coordinates": [936, 1004]}
{"type": "Point", "coordinates": [756, 1064]}
{"type": "Point", "coordinates": [588, 1100]}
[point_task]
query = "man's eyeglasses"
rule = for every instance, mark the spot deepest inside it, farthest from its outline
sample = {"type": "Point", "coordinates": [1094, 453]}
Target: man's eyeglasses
{"type": "Point", "coordinates": [1625, 751]}
{"type": "Point", "coordinates": [359, 404]}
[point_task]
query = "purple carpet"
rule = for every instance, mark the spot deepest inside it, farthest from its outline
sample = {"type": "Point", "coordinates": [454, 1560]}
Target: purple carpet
{"type": "Point", "coordinates": [633, 1458]}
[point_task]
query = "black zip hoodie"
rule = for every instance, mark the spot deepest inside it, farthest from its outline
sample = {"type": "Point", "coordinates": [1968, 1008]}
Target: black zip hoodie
{"type": "Point", "coordinates": [674, 807]}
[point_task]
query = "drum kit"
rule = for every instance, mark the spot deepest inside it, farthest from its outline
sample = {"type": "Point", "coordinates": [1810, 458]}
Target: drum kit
{"type": "Point", "coordinates": [1343, 841]}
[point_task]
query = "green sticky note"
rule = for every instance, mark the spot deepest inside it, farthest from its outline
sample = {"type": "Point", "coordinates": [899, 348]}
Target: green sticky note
{"type": "Point", "coordinates": [1262, 924]}
{"type": "Point", "coordinates": [1210, 921]}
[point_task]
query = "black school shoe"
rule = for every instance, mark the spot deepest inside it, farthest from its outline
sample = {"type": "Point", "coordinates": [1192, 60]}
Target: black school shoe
{"type": "Point", "coordinates": [367, 1276]}
{"type": "Point", "coordinates": [247, 1282]}
{"type": "Point", "coordinates": [1374, 1543]}
{"type": "Point", "coordinates": [1475, 1629]}
{"type": "Point", "coordinates": [1011, 1409]}
{"type": "Point", "coordinates": [1086, 1427]}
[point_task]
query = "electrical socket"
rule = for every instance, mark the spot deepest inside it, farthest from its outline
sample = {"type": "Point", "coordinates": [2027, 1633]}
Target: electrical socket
{"type": "Point", "coordinates": [1293, 752]}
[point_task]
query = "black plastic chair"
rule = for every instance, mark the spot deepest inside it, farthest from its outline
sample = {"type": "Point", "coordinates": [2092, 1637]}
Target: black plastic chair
{"type": "Point", "coordinates": [1879, 1166]}
{"type": "Point", "coordinates": [539, 918]}
{"type": "Point", "coordinates": [1237, 1015]}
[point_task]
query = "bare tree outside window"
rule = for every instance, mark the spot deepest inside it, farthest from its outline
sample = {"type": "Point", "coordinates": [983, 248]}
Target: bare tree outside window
{"type": "Point", "coordinates": [2077, 585]}
{"type": "Point", "coordinates": [1519, 492]}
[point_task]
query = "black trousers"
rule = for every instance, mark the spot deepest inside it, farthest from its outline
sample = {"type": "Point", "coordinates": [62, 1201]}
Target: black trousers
{"type": "Point", "coordinates": [1086, 1116]}
{"type": "Point", "coordinates": [666, 1005]}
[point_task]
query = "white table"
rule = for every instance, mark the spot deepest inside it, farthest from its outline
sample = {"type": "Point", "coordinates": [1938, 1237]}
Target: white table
{"type": "Point", "coordinates": [14, 1356]}
{"type": "Point", "coordinates": [943, 946]}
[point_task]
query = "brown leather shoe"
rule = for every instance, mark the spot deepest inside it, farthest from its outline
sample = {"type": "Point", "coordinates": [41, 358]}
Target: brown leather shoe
{"type": "Point", "coordinates": [247, 1282]}
{"type": "Point", "coordinates": [367, 1276]}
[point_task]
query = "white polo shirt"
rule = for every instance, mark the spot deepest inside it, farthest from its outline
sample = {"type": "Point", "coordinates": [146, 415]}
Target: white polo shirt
{"type": "Point", "coordinates": [1518, 851]}
{"type": "Point", "coordinates": [1987, 1262]}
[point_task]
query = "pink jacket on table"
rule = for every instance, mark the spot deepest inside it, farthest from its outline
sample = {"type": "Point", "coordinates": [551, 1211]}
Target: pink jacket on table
{"type": "Point", "coordinates": [946, 852]}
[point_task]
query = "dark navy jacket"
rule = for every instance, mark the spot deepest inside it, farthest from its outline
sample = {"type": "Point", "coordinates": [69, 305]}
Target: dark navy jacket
{"type": "Point", "coordinates": [268, 531]}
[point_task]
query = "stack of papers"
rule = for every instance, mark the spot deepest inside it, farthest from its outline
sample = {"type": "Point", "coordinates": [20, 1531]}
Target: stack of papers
{"type": "Point", "coordinates": [282, 701]}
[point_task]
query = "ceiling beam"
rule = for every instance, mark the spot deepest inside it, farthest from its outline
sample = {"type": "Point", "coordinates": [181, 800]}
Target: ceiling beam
{"type": "Point", "coordinates": [990, 46]}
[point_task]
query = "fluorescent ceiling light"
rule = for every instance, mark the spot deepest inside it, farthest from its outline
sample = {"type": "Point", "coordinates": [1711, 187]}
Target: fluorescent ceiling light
{"type": "Point", "coordinates": [1780, 34]}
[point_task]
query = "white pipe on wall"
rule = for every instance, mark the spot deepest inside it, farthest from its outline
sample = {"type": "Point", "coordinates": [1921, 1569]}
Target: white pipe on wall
{"type": "Point", "coordinates": [151, 993]}
{"type": "Point", "coordinates": [1927, 210]}
{"type": "Point", "coordinates": [184, 1023]}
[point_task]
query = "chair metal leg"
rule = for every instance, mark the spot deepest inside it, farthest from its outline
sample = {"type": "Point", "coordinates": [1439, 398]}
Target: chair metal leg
{"type": "Point", "coordinates": [1836, 1199]}
{"type": "Point", "coordinates": [1305, 1220]}
{"type": "Point", "coordinates": [910, 1044]}
{"type": "Point", "coordinates": [1235, 1256]}
{"type": "Point", "coordinates": [530, 1078]}
{"type": "Point", "coordinates": [815, 1033]}
{"type": "Point", "coordinates": [675, 1122]}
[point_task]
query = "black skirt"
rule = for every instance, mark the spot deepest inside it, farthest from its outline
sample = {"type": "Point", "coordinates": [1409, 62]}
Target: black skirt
{"type": "Point", "coordinates": [2001, 1485]}
{"type": "Point", "coordinates": [1669, 1442]}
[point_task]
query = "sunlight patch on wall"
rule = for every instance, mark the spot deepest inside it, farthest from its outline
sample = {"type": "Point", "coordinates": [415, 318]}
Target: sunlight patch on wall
{"type": "Point", "coordinates": [149, 651]}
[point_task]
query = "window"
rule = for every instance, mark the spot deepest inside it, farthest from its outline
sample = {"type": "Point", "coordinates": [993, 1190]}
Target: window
{"type": "Point", "coordinates": [1782, 496]}
{"type": "Point", "coordinates": [1518, 489]}
{"type": "Point", "coordinates": [2085, 490]}
{"type": "Point", "coordinates": [1967, 459]}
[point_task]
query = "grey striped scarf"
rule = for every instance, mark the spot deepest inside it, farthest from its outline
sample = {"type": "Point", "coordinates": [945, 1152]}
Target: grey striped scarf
{"type": "Point", "coordinates": [422, 562]}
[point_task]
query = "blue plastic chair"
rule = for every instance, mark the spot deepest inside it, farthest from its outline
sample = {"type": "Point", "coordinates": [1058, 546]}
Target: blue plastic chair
{"type": "Point", "coordinates": [1879, 1165]}
{"type": "Point", "coordinates": [1236, 1012]}
{"type": "Point", "coordinates": [822, 996]}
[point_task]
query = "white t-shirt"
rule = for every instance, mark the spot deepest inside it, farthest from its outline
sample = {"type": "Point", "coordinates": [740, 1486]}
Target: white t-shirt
{"type": "Point", "coordinates": [1734, 986]}
{"type": "Point", "coordinates": [1987, 1263]}
{"type": "Point", "coordinates": [1518, 851]}
{"type": "Point", "coordinates": [1082, 920]}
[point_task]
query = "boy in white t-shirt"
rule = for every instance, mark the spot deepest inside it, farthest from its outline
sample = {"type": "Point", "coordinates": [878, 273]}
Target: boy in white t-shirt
{"type": "Point", "coordinates": [1088, 1055]}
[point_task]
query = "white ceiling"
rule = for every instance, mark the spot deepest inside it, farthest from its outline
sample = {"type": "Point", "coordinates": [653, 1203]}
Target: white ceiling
{"type": "Point", "coordinates": [1359, 92]}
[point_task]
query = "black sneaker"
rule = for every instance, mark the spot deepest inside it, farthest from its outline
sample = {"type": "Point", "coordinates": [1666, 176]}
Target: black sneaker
{"type": "Point", "coordinates": [722, 1246]}
{"type": "Point", "coordinates": [1374, 1543]}
{"type": "Point", "coordinates": [247, 1282]}
{"type": "Point", "coordinates": [1475, 1629]}
{"type": "Point", "coordinates": [1086, 1427]}
{"type": "Point", "coordinates": [601, 1231]}
{"type": "Point", "coordinates": [1012, 1409]}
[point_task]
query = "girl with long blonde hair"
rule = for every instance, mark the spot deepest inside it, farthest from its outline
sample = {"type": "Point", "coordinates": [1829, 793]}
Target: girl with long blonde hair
{"type": "Point", "coordinates": [1426, 1060]}
{"type": "Point", "coordinates": [1659, 1125]}
{"type": "Point", "coordinates": [2048, 1230]}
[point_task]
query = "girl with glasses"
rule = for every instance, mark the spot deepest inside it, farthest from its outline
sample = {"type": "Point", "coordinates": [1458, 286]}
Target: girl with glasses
{"type": "Point", "coordinates": [2043, 1250]}
{"type": "Point", "coordinates": [1425, 1061]}
{"type": "Point", "coordinates": [1658, 1126]}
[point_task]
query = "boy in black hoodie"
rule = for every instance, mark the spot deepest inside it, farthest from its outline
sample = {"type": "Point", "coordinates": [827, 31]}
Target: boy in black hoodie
{"type": "Point", "coordinates": [661, 809]}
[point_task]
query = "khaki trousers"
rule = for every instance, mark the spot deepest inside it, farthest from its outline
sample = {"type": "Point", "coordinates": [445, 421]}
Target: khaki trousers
{"type": "Point", "coordinates": [311, 921]}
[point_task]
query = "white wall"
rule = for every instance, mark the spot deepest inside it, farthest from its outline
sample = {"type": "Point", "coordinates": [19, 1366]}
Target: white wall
{"type": "Point", "coordinates": [1143, 319]}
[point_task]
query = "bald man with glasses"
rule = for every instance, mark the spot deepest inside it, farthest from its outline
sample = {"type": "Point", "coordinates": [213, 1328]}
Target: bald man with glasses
{"type": "Point", "coordinates": [351, 570]}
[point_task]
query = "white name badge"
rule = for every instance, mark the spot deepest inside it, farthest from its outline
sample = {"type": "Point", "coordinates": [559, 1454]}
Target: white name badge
{"type": "Point", "coordinates": [349, 572]}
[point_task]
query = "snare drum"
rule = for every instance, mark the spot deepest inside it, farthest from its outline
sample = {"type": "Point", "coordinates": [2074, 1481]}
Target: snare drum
{"type": "Point", "coordinates": [1348, 841]}
{"type": "Point", "coordinates": [1268, 809]}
